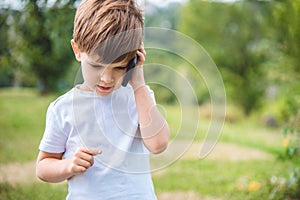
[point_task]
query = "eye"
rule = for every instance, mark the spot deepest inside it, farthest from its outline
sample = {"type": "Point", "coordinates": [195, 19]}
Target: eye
{"type": "Point", "coordinates": [121, 68]}
{"type": "Point", "coordinates": [96, 66]}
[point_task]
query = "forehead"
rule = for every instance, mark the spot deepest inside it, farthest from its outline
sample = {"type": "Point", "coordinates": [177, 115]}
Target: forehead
{"type": "Point", "coordinates": [97, 60]}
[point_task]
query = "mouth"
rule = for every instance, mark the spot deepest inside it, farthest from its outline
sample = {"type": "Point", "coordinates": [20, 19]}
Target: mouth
{"type": "Point", "coordinates": [104, 88]}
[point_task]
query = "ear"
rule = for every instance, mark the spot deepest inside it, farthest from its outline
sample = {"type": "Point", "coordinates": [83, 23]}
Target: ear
{"type": "Point", "coordinates": [76, 51]}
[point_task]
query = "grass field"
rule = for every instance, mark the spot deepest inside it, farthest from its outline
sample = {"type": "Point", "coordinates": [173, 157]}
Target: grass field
{"type": "Point", "coordinates": [236, 171]}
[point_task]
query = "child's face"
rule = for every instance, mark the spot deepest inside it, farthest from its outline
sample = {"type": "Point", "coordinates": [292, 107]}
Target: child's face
{"type": "Point", "coordinates": [103, 79]}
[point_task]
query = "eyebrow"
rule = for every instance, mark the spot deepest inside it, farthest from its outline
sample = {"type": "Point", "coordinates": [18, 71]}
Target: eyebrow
{"type": "Point", "coordinates": [97, 62]}
{"type": "Point", "coordinates": [93, 63]}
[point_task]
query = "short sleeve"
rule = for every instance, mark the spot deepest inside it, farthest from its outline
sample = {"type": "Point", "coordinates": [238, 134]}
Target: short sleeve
{"type": "Point", "coordinates": [54, 139]}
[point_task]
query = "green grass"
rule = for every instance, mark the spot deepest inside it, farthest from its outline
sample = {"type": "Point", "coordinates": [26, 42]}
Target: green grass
{"type": "Point", "coordinates": [246, 131]}
{"type": "Point", "coordinates": [40, 191]}
{"type": "Point", "coordinates": [226, 180]}
{"type": "Point", "coordinates": [252, 134]}
{"type": "Point", "coordinates": [22, 123]}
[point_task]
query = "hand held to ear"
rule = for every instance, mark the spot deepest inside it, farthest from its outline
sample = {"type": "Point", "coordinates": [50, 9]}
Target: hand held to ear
{"type": "Point", "coordinates": [131, 65]}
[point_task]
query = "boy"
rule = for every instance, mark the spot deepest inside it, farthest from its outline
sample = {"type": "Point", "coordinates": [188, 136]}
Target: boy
{"type": "Point", "coordinates": [99, 134]}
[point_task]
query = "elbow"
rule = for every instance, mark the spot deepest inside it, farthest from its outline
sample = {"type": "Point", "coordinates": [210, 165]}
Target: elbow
{"type": "Point", "coordinates": [41, 177]}
{"type": "Point", "coordinates": [49, 169]}
{"type": "Point", "coordinates": [39, 174]}
{"type": "Point", "coordinates": [161, 142]}
{"type": "Point", "coordinates": [158, 148]}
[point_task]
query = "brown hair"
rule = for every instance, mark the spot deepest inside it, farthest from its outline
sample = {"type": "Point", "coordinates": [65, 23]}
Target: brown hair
{"type": "Point", "coordinates": [112, 29]}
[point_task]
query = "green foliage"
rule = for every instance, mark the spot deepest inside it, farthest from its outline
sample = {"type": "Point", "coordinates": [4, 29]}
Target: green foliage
{"type": "Point", "coordinates": [292, 138]}
{"type": "Point", "coordinates": [156, 64]}
{"type": "Point", "coordinates": [289, 187]}
{"type": "Point", "coordinates": [6, 73]}
{"type": "Point", "coordinates": [287, 14]}
{"type": "Point", "coordinates": [39, 41]}
{"type": "Point", "coordinates": [239, 50]}
{"type": "Point", "coordinates": [285, 187]}
{"type": "Point", "coordinates": [165, 17]}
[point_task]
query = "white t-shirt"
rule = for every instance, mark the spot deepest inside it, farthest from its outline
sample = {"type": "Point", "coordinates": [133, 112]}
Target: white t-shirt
{"type": "Point", "coordinates": [79, 118]}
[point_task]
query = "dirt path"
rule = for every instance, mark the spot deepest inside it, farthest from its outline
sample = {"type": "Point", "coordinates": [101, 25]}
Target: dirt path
{"type": "Point", "coordinates": [227, 152]}
{"type": "Point", "coordinates": [190, 195]}
{"type": "Point", "coordinates": [14, 173]}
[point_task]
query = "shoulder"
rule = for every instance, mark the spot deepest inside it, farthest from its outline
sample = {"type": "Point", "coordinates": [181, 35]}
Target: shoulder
{"type": "Point", "coordinates": [62, 101]}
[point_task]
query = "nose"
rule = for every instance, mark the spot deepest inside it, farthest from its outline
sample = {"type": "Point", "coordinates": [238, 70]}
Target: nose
{"type": "Point", "coordinates": [106, 76]}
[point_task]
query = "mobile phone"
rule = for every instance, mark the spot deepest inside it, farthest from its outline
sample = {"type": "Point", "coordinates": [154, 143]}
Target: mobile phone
{"type": "Point", "coordinates": [128, 74]}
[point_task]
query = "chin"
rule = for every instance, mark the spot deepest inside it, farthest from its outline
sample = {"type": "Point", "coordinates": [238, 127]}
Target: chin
{"type": "Point", "coordinates": [103, 94]}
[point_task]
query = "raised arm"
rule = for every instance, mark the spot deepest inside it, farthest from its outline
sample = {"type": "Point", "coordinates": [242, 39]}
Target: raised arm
{"type": "Point", "coordinates": [154, 128]}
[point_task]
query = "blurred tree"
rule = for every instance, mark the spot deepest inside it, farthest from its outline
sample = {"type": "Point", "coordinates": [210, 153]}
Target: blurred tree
{"type": "Point", "coordinates": [164, 17]}
{"type": "Point", "coordinates": [12, 59]}
{"type": "Point", "coordinates": [42, 37]}
{"type": "Point", "coordinates": [287, 26]}
{"type": "Point", "coordinates": [234, 35]}
{"type": "Point", "coordinates": [6, 73]}
{"type": "Point", "coordinates": [287, 15]}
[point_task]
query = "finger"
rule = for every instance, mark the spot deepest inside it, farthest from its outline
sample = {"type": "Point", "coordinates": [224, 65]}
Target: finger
{"type": "Point", "coordinates": [79, 169]}
{"type": "Point", "coordinates": [92, 151]}
{"type": "Point", "coordinates": [141, 58]}
{"type": "Point", "coordinates": [84, 154]}
{"type": "Point", "coordinates": [142, 50]}
{"type": "Point", "coordinates": [85, 163]}
{"type": "Point", "coordinates": [83, 159]}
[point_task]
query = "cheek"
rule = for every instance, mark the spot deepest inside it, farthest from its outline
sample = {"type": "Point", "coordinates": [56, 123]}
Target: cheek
{"type": "Point", "coordinates": [119, 76]}
{"type": "Point", "coordinates": [89, 75]}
